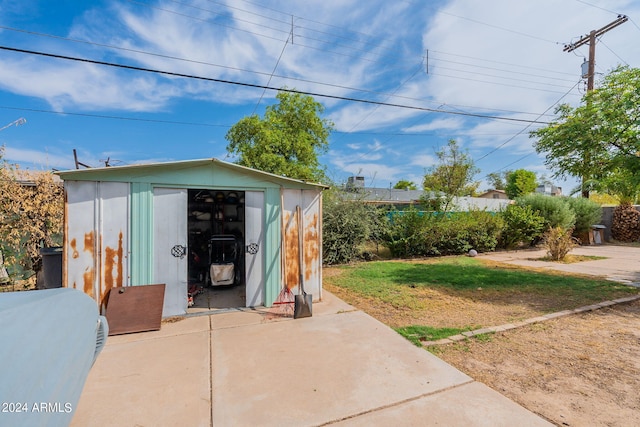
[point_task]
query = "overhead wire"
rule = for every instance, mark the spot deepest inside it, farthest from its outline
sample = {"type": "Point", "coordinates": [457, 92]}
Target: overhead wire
{"type": "Point", "coordinates": [520, 132]}
{"type": "Point", "coordinates": [253, 85]}
{"type": "Point", "coordinates": [328, 42]}
{"type": "Point", "coordinates": [529, 125]}
{"type": "Point", "coordinates": [157, 55]}
{"type": "Point", "coordinates": [272, 73]}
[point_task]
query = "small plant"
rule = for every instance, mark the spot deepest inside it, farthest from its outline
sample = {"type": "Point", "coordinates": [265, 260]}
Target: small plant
{"type": "Point", "coordinates": [558, 242]}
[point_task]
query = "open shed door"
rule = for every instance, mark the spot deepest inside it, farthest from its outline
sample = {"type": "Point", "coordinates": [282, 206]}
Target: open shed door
{"type": "Point", "coordinates": [254, 247]}
{"type": "Point", "coordinates": [170, 247]}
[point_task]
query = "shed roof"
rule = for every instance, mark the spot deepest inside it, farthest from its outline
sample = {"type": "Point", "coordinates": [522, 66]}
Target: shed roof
{"type": "Point", "coordinates": [97, 174]}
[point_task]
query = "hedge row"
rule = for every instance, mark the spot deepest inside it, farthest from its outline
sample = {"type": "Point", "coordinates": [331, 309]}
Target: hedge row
{"type": "Point", "coordinates": [348, 224]}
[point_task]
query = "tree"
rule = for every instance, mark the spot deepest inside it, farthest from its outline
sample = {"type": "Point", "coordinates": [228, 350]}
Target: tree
{"type": "Point", "coordinates": [497, 180]}
{"type": "Point", "coordinates": [520, 182]}
{"type": "Point", "coordinates": [403, 184]}
{"type": "Point", "coordinates": [600, 136]}
{"type": "Point", "coordinates": [453, 176]}
{"type": "Point", "coordinates": [31, 216]}
{"type": "Point", "coordinates": [287, 141]}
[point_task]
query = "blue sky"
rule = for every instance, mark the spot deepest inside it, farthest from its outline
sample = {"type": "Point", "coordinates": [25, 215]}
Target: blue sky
{"type": "Point", "coordinates": [496, 58]}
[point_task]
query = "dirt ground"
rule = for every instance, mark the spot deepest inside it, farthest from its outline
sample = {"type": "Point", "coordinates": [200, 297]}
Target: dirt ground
{"type": "Point", "coordinates": [579, 370]}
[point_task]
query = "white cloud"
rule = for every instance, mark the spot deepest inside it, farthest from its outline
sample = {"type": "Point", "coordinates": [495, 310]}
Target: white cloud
{"type": "Point", "coordinates": [438, 124]}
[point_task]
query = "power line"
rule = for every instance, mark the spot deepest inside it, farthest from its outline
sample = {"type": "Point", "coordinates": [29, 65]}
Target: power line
{"type": "Point", "coordinates": [328, 42]}
{"type": "Point", "coordinates": [529, 125]}
{"type": "Point", "coordinates": [253, 85]}
{"type": "Point", "coordinates": [142, 52]}
{"type": "Point", "coordinates": [104, 116]}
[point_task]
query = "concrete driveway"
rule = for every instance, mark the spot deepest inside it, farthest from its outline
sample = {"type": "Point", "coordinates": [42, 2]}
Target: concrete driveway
{"type": "Point", "coordinates": [619, 263]}
{"type": "Point", "coordinates": [241, 368]}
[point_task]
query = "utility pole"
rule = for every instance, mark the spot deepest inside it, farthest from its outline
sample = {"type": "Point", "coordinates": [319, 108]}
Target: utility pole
{"type": "Point", "coordinates": [591, 40]}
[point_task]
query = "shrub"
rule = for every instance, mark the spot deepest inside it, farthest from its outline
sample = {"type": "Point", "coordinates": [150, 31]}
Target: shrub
{"type": "Point", "coordinates": [555, 211]}
{"type": "Point", "coordinates": [558, 242]}
{"type": "Point", "coordinates": [405, 234]}
{"type": "Point", "coordinates": [414, 233]}
{"type": "Point", "coordinates": [587, 213]}
{"type": "Point", "coordinates": [521, 225]}
{"type": "Point", "coordinates": [346, 226]}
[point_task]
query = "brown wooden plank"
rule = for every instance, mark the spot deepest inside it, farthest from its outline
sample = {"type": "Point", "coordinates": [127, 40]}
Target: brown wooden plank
{"type": "Point", "coordinates": [135, 309]}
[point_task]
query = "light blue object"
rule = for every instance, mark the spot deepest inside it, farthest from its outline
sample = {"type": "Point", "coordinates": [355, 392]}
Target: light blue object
{"type": "Point", "coordinates": [49, 339]}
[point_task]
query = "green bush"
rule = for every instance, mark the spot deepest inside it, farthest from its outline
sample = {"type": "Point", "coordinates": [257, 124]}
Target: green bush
{"type": "Point", "coordinates": [346, 226]}
{"type": "Point", "coordinates": [414, 233]}
{"type": "Point", "coordinates": [587, 213]}
{"type": "Point", "coordinates": [405, 234]}
{"type": "Point", "coordinates": [555, 211]}
{"type": "Point", "coordinates": [521, 225]}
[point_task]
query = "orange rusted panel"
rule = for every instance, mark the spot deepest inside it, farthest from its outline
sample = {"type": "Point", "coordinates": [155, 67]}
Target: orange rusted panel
{"type": "Point", "coordinates": [74, 250]}
{"type": "Point", "coordinates": [89, 274]}
{"type": "Point", "coordinates": [88, 282]}
{"type": "Point", "coordinates": [291, 250]}
{"type": "Point", "coordinates": [112, 261]}
{"type": "Point", "coordinates": [311, 251]}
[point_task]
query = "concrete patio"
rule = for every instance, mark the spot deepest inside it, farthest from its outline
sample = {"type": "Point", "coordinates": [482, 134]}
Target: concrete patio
{"type": "Point", "coordinates": [241, 368]}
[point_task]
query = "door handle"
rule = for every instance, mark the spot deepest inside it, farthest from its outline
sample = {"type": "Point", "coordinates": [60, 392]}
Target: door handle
{"type": "Point", "coordinates": [179, 251]}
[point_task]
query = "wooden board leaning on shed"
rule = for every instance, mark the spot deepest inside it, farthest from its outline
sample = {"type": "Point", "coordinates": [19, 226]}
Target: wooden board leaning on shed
{"type": "Point", "coordinates": [135, 309]}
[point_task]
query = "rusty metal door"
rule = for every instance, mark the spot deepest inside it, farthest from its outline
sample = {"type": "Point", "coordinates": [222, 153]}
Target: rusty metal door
{"type": "Point", "coordinates": [310, 204]}
{"type": "Point", "coordinates": [254, 250]}
{"type": "Point", "coordinates": [96, 237]}
{"type": "Point", "coordinates": [170, 254]}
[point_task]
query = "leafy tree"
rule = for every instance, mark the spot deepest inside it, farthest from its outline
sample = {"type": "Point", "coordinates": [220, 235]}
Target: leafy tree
{"type": "Point", "coordinates": [453, 176]}
{"type": "Point", "coordinates": [601, 136]}
{"type": "Point", "coordinates": [497, 180]}
{"type": "Point", "coordinates": [403, 184]}
{"type": "Point", "coordinates": [31, 215]}
{"type": "Point", "coordinates": [287, 141]}
{"type": "Point", "coordinates": [520, 182]}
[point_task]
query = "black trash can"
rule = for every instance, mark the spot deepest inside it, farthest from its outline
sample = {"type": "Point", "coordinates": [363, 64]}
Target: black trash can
{"type": "Point", "coordinates": [51, 275]}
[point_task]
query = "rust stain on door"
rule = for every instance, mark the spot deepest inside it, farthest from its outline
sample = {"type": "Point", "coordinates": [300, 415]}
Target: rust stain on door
{"type": "Point", "coordinates": [311, 251]}
{"type": "Point", "coordinates": [291, 250]}
{"type": "Point", "coordinates": [112, 260]}
{"type": "Point", "coordinates": [75, 253]}
{"type": "Point", "coordinates": [89, 274]}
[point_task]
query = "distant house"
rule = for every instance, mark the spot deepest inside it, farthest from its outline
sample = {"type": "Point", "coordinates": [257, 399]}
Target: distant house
{"type": "Point", "coordinates": [549, 190]}
{"type": "Point", "coordinates": [400, 198]}
{"type": "Point", "coordinates": [494, 194]}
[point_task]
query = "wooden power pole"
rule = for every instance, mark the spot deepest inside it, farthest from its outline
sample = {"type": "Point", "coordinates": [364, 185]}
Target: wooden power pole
{"type": "Point", "coordinates": [591, 40]}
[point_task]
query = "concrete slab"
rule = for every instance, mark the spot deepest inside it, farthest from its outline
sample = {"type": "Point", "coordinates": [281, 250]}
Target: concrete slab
{"type": "Point", "coordinates": [163, 381]}
{"type": "Point", "coordinates": [315, 370]}
{"type": "Point", "coordinates": [620, 263]}
{"type": "Point", "coordinates": [241, 368]}
{"type": "Point", "coordinates": [175, 326]}
{"type": "Point", "coordinates": [472, 404]}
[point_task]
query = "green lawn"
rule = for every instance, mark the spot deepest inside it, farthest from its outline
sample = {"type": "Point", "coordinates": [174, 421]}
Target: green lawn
{"type": "Point", "coordinates": [411, 289]}
{"type": "Point", "coordinates": [388, 280]}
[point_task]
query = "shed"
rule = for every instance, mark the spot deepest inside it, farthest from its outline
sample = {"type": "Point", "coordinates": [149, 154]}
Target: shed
{"type": "Point", "coordinates": [158, 223]}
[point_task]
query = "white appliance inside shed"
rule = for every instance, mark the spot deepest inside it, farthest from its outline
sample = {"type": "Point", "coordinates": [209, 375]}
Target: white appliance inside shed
{"type": "Point", "coordinates": [216, 242]}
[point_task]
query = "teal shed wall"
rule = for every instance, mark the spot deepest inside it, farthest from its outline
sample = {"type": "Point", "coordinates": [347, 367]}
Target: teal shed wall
{"type": "Point", "coordinates": [195, 174]}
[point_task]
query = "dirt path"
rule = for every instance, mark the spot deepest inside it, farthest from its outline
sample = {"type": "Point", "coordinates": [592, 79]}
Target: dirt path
{"type": "Point", "coordinates": [580, 370]}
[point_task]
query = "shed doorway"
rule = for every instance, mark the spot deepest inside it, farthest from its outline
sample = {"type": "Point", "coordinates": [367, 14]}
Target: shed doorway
{"type": "Point", "coordinates": [216, 241]}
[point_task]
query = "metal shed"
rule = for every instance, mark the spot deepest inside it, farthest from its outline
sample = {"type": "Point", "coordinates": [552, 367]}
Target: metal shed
{"type": "Point", "coordinates": [147, 224]}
